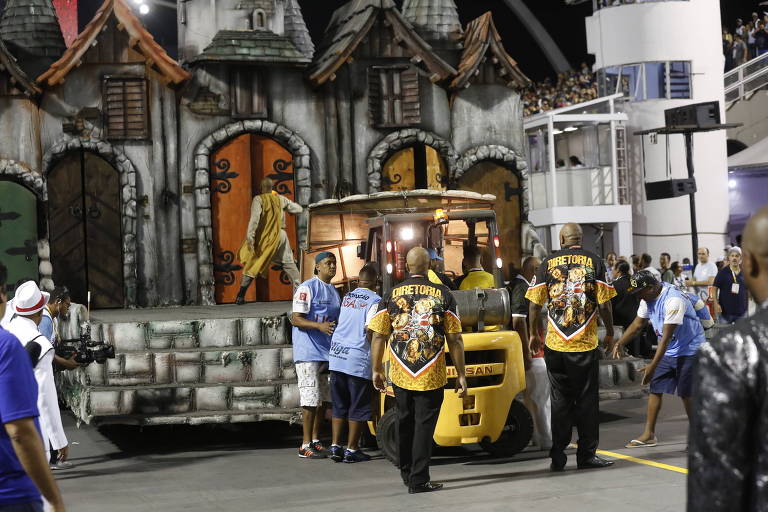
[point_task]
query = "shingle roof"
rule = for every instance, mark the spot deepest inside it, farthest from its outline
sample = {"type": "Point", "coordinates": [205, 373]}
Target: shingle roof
{"type": "Point", "coordinates": [350, 25]}
{"type": "Point", "coordinates": [481, 37]}
{"type": "Point", "coordinates": [296, 29]}
{"type": "Point", "coordinates": [140, 41]}
{"type": "Point", "coordinates": [437, 21]}
{"type": "Point", "coordinates": [251, 46]}
{"type": "Point", "coordinates": [19, 79]}
{"type": "Point", "coordinates": [32, 33]}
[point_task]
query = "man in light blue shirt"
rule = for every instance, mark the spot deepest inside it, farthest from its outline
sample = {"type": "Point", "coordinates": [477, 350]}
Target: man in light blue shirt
{"type": "Point", "coordinates": [316, 306]}
{"type": "Point", "coordinates": [350, 365]}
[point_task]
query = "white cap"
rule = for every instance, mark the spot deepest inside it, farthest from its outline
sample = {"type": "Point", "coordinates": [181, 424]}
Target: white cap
{"type": "Point", "coordinates": [734, 249]}
{"type": "Point", "coordinates": [29, 300]}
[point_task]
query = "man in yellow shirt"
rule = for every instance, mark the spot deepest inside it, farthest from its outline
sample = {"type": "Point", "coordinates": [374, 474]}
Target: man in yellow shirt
{"type": "Point", "coordinates": [415, 321]}
{"type": "Point", "coordinates": [573, 281]}
{"type": "Point", "coordinates": [477, 277]}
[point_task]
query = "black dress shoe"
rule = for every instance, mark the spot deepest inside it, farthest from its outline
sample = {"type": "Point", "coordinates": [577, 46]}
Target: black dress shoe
{"type": "Point", "coordinates": [427, 487]}
{"type": "Point", "coordinates": [595, 463]}
{"type": "Point", "coordinates": [558, 463]}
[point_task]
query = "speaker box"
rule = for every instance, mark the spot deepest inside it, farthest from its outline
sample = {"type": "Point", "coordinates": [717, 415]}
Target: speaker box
{"type": "Point", "coordinates": [669, 188]}
{"type": "Point", "coordinates": [698, 115]}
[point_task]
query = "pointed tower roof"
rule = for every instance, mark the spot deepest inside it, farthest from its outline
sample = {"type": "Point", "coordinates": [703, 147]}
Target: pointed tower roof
{"type": "Point", "coordinates": [140, 40]}
{"type": "Point", "coordinates": [32, 33]}
{"type": "Point", "coordinates": [18, 79]}
{"type": "Point", "coordinates": [482, 44]}
{"type": "Point", "coordinates": [437, 21]}
{"type": "Point", "coordinates": [296, 29]}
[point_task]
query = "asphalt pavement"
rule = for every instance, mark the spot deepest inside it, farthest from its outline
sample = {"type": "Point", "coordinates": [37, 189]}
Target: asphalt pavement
{"type": "Point", "coordinates": [255, 467]}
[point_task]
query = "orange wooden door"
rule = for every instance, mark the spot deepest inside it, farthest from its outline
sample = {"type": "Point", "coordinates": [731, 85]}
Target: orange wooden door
{"type": "Point", "coordinates": [231, 195]}
{"type": "Point", "coordinates": [271, 160]}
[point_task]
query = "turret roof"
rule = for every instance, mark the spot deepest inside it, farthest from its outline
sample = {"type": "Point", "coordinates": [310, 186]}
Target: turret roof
{"type": "Point", "coordinates": [256, 46]}
{"type": "Point", "coordinates": [437, 21]}
{"type": "Point", "coordinates": [296, 29]}
{"type": "Point", "coordinates": [18, 78]}
{"type": "Point", "coordinates": [32, 33]}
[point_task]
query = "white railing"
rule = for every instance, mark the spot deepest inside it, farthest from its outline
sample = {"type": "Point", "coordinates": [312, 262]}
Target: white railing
{"type": "Point", "coordinates": [746, 79]}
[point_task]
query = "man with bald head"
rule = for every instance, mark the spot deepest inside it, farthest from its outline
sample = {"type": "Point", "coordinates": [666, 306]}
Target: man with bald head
{"type": "Point", "coordinates": [728, 457]}
{"type": "Point", "coordinates": [574, 283]}
{"type": "Point", "coordinates": [415, 321]}
{"type": "Point", "coordinates": [266, 241]}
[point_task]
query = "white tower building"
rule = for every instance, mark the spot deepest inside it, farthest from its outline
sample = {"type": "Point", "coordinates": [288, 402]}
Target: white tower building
{"type": "Point", "coordinates": [666, 54]}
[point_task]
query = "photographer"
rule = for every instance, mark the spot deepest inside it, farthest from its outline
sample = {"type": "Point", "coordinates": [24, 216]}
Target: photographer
{"type": "Point", "coordinates": [57, 308]}
{"type": "Point", "coordinates": [28, 305]}
{"type": "Point", "coordinates": [22, 460]}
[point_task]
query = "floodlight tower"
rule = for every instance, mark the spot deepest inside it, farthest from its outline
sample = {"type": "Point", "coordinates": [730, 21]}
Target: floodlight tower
{"type": "Point", "coordinates": [662, 55]}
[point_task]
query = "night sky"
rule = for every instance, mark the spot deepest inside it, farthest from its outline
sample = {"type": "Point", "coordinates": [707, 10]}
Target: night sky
{"type": "Point", "coordinates": [565, 24]}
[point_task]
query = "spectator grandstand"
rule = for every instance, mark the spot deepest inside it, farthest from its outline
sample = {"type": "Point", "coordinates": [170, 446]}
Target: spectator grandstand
{"type": "Point", "coordinates": [569, 88]}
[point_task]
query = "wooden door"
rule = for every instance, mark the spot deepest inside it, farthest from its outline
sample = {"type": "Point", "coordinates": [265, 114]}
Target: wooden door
{"type": "Point", "coordinates": [237, 169]}
{"type": "Point", "coordinates": [417, 167]}
{"type": "Point", "coordinates": [66, 225]}
{"type": "Point", "coordinates": [103, 232]}
{"type": "Point", "coordinates": [86, 230]}
{"type": "Point", "coordinates": [492, 178]}
{"type": "Point", "coordinates": [18, 233]}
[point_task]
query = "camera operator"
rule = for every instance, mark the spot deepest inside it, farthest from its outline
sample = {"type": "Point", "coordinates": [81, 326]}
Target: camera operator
{"type": "Point", "coordinates": [28, 305]}
{"type": "Point", "coordinates": [22, 460]}
{"type": "Point", "coordinates": [57, 308]}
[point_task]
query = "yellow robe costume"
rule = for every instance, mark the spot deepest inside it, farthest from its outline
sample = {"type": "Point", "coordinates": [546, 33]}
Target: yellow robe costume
{"type": "Point", "coordinates": [256, 260]}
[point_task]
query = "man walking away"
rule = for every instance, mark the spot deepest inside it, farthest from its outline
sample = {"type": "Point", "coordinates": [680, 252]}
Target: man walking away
{"type": "Point", "coordinates": [22, 457]}
{"type": "Point", "coordinates": [477, 277]}
{"type": "Point", "coordinates": [316, 306]}
{"type": "Point", "coordinates": [573, 280]}
{"type": "Point", "coordinates": [350, 365]}
{"type": "Point", "coordinates": [730, 293]}
{"type": "Point", "coordinates": [417, 318]}
{"type": "Point", "coordinates": [266, 242]}
{"type": "Point", "coordinates": [680, 334]}
{"type": "Point", "coordinates": [667, 276]}
{"type": "Point", "coordinates": [536, 395]}
{"type": "Point", "coordinates": [728, 457]}
{"type": "Point", "coordinates": [28, 304]}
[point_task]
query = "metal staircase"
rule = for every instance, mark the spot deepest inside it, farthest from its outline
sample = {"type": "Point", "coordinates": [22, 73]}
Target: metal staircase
{"type": "Point", "coordinates": [743, 81]}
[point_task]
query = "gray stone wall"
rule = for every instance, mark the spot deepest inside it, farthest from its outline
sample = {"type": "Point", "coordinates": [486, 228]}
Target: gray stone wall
{"type": "Point", "coordinates": [207, 371]}
{"type": "Point", "coordinates": [20, 131]}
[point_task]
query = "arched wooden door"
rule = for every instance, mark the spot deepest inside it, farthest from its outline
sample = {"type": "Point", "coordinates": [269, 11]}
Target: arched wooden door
{"type": "Point", "coordinates": [416, 167]}
{"type": "Point", "coordinates": [237, 168]}
{"type": "Point", "coordinates": [86, 230]}
{"type": "Point", "coordinates": [491, 178]}
{"type": "Point", "coordinates": [18, 233]}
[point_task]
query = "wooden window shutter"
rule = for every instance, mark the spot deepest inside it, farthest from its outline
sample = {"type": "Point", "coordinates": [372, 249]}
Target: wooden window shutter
{"type": "Point", "coordinates": [247, 93]}
{"type": "Point", "coordinates": [409, 79]}
{"type": "Point", "coordinates": [393, 94]}
{"type": "Point", "coordinates": [125, 106]}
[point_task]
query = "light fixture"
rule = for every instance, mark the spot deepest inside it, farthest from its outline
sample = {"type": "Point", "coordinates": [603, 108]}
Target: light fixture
{"type": "Point", "coordinates": [731, 183]}
{"type": "Point", "coordinates": [571, 129]}
{"type": "Point", "coordinates": [389, 268]}
{"type": "Point", "coordinates": [557, 131]}
{"type": "Point", "coordinates": [143, 9]}
{"type": "Point", "coordinates": [406, 233]}
{"type": "Point", "coordinates": [498, 262]}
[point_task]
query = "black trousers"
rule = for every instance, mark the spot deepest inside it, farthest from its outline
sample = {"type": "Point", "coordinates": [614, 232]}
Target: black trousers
{"type": "Point", "coordinates": [574, 378]}
{"type": "Point", "coordinates": [417, 413]}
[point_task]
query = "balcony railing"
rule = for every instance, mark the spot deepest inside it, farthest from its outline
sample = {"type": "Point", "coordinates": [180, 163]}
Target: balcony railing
{"type": "Point", "coordinates": [589, 186]}
{"type": "Point", "coordinates": [746, 79]}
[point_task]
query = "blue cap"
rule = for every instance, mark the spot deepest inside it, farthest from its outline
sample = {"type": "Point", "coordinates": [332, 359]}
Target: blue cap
{"type": "Point", "coordinates": [325, 254]}
{"type": "Point", "coordinates": [433, 254]}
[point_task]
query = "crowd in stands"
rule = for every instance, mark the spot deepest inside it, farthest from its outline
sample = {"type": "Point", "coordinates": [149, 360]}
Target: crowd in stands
{"type": "Point", "coordinates": [745, 41]}
{"type": "Point", "coordinates": [569, 88]}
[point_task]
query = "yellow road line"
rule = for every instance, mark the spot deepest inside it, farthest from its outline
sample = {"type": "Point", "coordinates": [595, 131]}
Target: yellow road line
{"type": "Point", "coordinates": [651, 463]}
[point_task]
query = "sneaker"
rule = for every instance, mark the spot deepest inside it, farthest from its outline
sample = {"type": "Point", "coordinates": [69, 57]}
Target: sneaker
{"type": "Point", "coordinates": [357, 456]}
{"type": "Point", "coordinates": [309, 453]}
{"type": "Point", "coordinates": [318, 447]}
{"type": "Point", "coordinates": [61, 465]}
{"type": "Point", "coordinates": [337, 453]}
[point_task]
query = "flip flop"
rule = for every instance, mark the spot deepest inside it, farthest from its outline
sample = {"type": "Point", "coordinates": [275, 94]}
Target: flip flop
{"type": "Point", "coordinates": [635, 443]}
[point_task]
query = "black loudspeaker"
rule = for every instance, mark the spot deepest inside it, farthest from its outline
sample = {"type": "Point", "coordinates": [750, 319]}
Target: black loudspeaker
{"type": "Point", "coordinates": [699, 115]}
{"type": "Point", "coordinates": [669, 188]}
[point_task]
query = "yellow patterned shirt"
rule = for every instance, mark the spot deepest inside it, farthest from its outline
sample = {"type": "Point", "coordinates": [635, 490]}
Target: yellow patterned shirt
{"type": "Point", "coordinates": [416, 315]}
{"type": "Point", "coordinates": [573, 282]}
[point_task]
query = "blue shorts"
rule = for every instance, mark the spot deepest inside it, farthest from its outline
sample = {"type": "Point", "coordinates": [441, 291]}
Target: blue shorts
{"type": "Point", "coordinates": [351, 396]}
{"type": "Point", "coordinates": [674, 376]}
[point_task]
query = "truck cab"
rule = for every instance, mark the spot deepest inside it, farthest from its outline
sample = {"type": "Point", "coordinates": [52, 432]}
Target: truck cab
{"type": "Point", "coordinates": [380, 229]}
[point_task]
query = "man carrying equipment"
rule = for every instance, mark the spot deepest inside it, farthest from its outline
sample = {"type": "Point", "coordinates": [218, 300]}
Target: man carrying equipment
{"type": "Point", "coordinates": [266, 241]}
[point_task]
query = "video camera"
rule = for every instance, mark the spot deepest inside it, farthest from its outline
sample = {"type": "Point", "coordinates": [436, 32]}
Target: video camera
{"type": "Point", "coordinates": [85, 350]}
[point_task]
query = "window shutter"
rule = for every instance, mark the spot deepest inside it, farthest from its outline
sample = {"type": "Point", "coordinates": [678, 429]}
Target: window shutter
{"type": "Point", "coordinates": [409, 79]}
{"type": "Point", "coordinates": [247, 93]}
{"type": "Point", "coordinates": [375, 97]}
{"type": "Point", "coordinates": [125, 105]}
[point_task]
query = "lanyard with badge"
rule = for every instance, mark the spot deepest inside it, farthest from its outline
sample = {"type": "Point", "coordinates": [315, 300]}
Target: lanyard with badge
{"type": "Point", "coordinates": [735, 284]}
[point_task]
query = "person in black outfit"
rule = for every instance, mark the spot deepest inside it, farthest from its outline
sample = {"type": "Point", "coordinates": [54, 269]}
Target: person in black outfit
{"type": "Point", "coordinates": [625, 310]}
{"type": "Point", "coordinates": [728, 457]}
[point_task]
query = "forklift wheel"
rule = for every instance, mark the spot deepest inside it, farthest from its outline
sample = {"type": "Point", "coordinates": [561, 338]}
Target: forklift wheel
{"type": "Point", "coordinates": [386, 436]}
{"type": "Point", "coordinates": [516, 435]}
